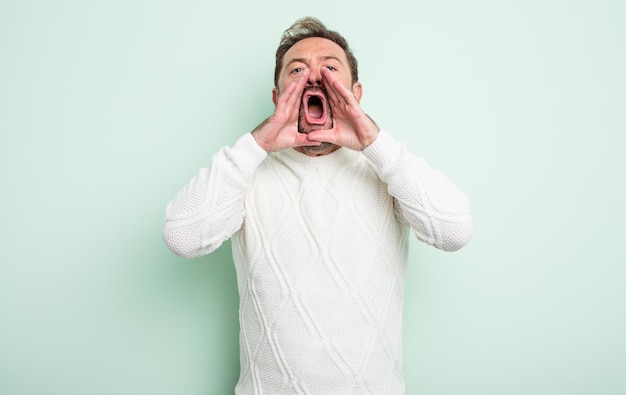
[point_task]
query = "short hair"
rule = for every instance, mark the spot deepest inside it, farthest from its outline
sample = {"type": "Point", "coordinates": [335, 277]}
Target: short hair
{"type": "Point", "coordinates": [308, 27]}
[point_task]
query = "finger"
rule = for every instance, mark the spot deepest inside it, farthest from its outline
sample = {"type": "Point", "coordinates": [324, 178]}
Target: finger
{"type": "Point", "coordinates": [300, 84]}
{"type": "Point", "coordinates": [340, 93]}
{"type": "Point", "coordinates": [325, 135]}
{"type": "Point", "coordinates": [302, 140]}
{"type": "Point", "coordinates": [294, 90]}
{"type": "Point", "coordinates": [328, 80]}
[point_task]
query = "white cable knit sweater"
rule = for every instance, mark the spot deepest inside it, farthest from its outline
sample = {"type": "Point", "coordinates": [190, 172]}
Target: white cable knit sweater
{"type": "Point", "coordinates": [320, 248]}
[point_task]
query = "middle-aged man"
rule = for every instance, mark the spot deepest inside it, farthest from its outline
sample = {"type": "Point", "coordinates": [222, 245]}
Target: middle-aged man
{"type": "Point", "coordinates": [318, 201]}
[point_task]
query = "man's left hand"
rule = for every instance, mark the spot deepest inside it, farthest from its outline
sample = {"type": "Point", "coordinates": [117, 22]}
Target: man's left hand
{"type": "Point", "coordinates": [352, 127]}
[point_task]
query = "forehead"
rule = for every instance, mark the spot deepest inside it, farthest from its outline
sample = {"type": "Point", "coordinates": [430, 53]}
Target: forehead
{"type": "Point", "coordinates": [313, 47]}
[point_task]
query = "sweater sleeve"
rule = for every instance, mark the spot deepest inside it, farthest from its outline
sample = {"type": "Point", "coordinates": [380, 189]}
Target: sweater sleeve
{"type": "Point", "coordinates": [209, 209]}
{"type": "Point", "coordinates": [437, 211]}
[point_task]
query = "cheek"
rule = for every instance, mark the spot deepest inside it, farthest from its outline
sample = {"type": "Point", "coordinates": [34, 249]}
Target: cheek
{"type": "Point", "coordinates": [277, 91]}
{"type": "Point", "coordinates": [284, 82]}
{"type": "Point", "coordinates": [345, 80]}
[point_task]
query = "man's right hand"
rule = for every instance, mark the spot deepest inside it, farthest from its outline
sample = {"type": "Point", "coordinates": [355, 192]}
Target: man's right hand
{"type": "Point", "coordinates": [280, 131]}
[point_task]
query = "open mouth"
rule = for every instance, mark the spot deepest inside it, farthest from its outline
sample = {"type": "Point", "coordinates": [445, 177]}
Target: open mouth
{"type": "Point", "coordinates": [315, 106]}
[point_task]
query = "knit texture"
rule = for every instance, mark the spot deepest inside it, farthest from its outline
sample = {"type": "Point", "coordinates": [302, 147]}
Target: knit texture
{"type": "Point", "coordinates": [320, 247]}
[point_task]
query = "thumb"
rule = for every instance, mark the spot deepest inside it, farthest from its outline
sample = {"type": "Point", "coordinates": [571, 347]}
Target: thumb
{"type": "Point", "coordinates": [323, 135]}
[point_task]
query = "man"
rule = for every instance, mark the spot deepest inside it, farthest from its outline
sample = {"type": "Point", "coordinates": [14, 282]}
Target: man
{"type": "Point", "coordinates": [318, 201]}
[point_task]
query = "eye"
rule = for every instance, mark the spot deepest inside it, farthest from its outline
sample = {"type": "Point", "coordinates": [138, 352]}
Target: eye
{"type": "Point", "coordinates": [297, 70]}
{"type": "Point", "coordinates": [331, 68]}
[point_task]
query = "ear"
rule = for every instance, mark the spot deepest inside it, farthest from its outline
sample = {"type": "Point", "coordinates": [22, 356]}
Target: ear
{"type": "Point", "coordinates": [357, 90]}
{"type": "Point", "coordinates": [275, 96]}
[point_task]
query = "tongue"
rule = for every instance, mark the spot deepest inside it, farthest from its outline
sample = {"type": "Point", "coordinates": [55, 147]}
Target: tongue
{"type": "Point", "coordinates": [316, 111]}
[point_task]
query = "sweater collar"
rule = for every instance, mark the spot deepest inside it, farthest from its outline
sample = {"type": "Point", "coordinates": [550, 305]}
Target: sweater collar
{"type": "Point", "coordinates": [337, 156]}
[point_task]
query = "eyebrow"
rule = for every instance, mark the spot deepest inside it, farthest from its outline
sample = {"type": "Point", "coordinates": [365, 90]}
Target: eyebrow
{"type": "Point", "coordinates": [323, 57]}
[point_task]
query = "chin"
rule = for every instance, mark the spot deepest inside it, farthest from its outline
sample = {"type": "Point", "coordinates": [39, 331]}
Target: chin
{"type": "Point", "coordinates": [315, 150]}
{"type": "Point", "coordinates": [318, 150]}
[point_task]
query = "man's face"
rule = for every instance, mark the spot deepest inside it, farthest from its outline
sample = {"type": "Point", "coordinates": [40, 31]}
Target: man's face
{"type": "Point", "coordinates": [314, 54]}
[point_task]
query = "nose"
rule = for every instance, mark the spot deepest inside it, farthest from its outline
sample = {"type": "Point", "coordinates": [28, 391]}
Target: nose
{"type": "Point", "coordinates": [315, 77]}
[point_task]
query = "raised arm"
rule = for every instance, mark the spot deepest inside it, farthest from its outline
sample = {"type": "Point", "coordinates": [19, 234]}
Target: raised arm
{"type": "Point", "coordinates": [209, 209]}
{"type": "Point", "coordinates": [436, 210]}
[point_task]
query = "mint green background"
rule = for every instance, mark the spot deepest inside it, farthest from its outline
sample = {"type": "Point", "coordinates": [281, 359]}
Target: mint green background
{"type": "Point", "coordinates": [107, 108]}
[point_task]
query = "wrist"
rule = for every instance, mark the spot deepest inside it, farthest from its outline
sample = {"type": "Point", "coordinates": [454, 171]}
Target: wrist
{"type": "Point", "coordinates": [384, 151]}
{"type": "Point", "coordinates": [372, 136]}
{"type": "Point", "coordinates": [259, 141]}
{"type": "Point", "coordinates": [258, 137]}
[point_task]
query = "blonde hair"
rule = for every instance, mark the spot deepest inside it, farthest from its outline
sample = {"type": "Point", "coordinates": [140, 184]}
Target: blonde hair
{"type": "Point", "coordinates": [308, 27]}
